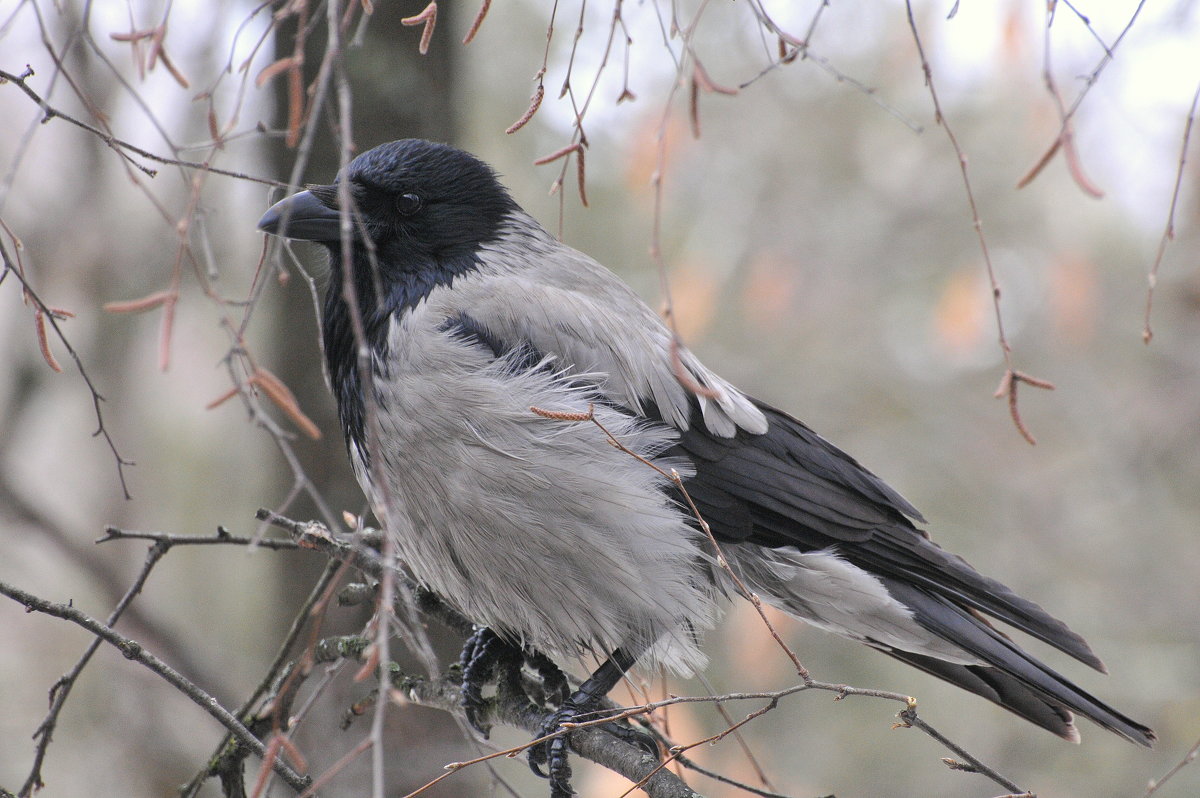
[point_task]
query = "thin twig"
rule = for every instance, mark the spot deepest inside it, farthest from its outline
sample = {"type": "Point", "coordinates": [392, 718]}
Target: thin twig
{"type": "Point", "coordinates": [691, 764]}
{"type": "Point", "coordinates": [1169, 231]}
{"type": "Point", "coordinates": [748, 754]}
{"type": "Point", "coordinates": [120, 146]}
{"type": "Point", "coordinates": [133, 650]}
{"type": "Point", "coordinates": [1065, 142]}
{"type": "Point", "coordinates": [62, 688]}
{"type": "Point", "coordinates": [909, 717]}
{"type": "Point", "coordinates": [221, 538]}
{"type": "Point", "coordinates": [272, 672]}
{"type": "Point", "coordinates": [50, 317]}
{"type": "Point", "coordinates": [1187, 759]}
{"type": "Point", "coordinates": [1012, 377]}
{"type": "Point", "coordinates": [1091, 80]}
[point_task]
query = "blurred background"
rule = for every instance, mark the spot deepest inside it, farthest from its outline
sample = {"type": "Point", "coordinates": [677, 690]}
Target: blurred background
{"type": "Point", "coordinates": [821, 254]}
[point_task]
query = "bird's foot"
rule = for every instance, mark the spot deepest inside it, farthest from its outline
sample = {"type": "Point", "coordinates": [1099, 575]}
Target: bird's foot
{"type": "Point", "coordinates": [553, 753]}
{"type": "Point", "coordinates": [629, 734]}
{"type": "Point", "coordinates": [484, 655]}
{"type": "Point", "coordinates": [555, 686]}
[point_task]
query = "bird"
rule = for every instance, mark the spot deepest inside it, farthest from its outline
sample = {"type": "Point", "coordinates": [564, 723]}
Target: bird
{"type": "Point", "coordinates": [483, 371]}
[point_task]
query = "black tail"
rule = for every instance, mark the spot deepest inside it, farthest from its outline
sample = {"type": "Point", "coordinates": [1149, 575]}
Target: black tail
{"type": "Point", "coordinates": [1011, 677]}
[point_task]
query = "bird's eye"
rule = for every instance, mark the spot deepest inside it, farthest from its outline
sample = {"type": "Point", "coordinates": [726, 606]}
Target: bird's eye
{"type": "Point", "coordinates": [408, 204]}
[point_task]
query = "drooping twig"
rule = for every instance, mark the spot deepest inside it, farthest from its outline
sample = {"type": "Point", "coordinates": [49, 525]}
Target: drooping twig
{"type": "Point", "coordinates": [1068, 114]}
{"type": "Point", "coordinates": [1065, 142]}
{"type": "Point", "coordinates": [49, 317]}
{"type": "Point", "coordinates": [1168, 231]}
{"type": "Point", "coordinates": [1012, 377]}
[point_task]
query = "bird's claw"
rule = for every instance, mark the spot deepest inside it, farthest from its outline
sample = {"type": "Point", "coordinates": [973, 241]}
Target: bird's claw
{"type": "Point", "coordinates": [553, 753]}
{"type": "Point", "coordinates": [554, 680]}
{"type": "Point", "coordinates": [633, 736]}
{"type": "Point", "coordinates": [483, 654]}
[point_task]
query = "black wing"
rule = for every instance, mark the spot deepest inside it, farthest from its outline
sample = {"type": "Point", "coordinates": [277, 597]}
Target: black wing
{"type": "Point", "coordinates": [791, 487]}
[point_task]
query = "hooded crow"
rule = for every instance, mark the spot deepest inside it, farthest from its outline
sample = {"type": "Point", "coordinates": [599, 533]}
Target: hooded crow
{"type": "Point", "coordinates": [535, 527]}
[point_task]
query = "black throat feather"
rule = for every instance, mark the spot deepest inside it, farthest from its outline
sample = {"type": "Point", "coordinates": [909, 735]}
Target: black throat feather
{"type": "Point", "coordinates": [399, 292]}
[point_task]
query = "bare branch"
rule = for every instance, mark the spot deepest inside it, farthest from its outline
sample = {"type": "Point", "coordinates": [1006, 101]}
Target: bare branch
{"type": "Point", "coordinates": [122, 148]}
{"type": "Point", "coordinates": [133, 650]}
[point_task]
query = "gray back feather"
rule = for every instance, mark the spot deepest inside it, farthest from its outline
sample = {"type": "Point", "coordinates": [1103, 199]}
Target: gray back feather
{"type": "Point", "coordinates": [566, 304]}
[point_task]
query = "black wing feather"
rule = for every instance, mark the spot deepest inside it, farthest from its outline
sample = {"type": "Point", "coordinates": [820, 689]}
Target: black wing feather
{"type": "Point", "coordinates": [790, 487]}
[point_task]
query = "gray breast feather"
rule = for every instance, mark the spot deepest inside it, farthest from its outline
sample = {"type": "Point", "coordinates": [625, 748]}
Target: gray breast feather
{"type": "Point", "coordinates": [535, 527]}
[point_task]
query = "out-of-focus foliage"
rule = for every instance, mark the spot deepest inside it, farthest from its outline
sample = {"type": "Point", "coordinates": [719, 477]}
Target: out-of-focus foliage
{"type": "Point", "coordinates": [821, 255]}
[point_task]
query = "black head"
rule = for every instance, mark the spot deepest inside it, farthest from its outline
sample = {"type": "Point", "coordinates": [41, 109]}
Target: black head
{"type": "Point", "coordinates": [420, 214]}
{"type": "Point", "coordinates": [421, 205]}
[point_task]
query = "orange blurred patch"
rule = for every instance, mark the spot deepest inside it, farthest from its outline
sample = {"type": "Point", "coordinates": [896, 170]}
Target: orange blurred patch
{"type": "Point", "coordinates": [752, 650]}
{"type": "Point", "coordinates": [1073, 297]}
{"type": "Point", "coordinates": [1015, 40]}
{"type": "Point", "coordinates": [643, 153]}
{"type": "Point", "coordinates": [770, 291]}
{"type": "Point", "coordinates": [694, 297]}
{"type": "Point", "coordinates": [960, 319]}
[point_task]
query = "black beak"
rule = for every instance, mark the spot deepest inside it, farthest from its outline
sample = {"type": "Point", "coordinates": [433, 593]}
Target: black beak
{"type": "Point", "coordinates": [306, 218]}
